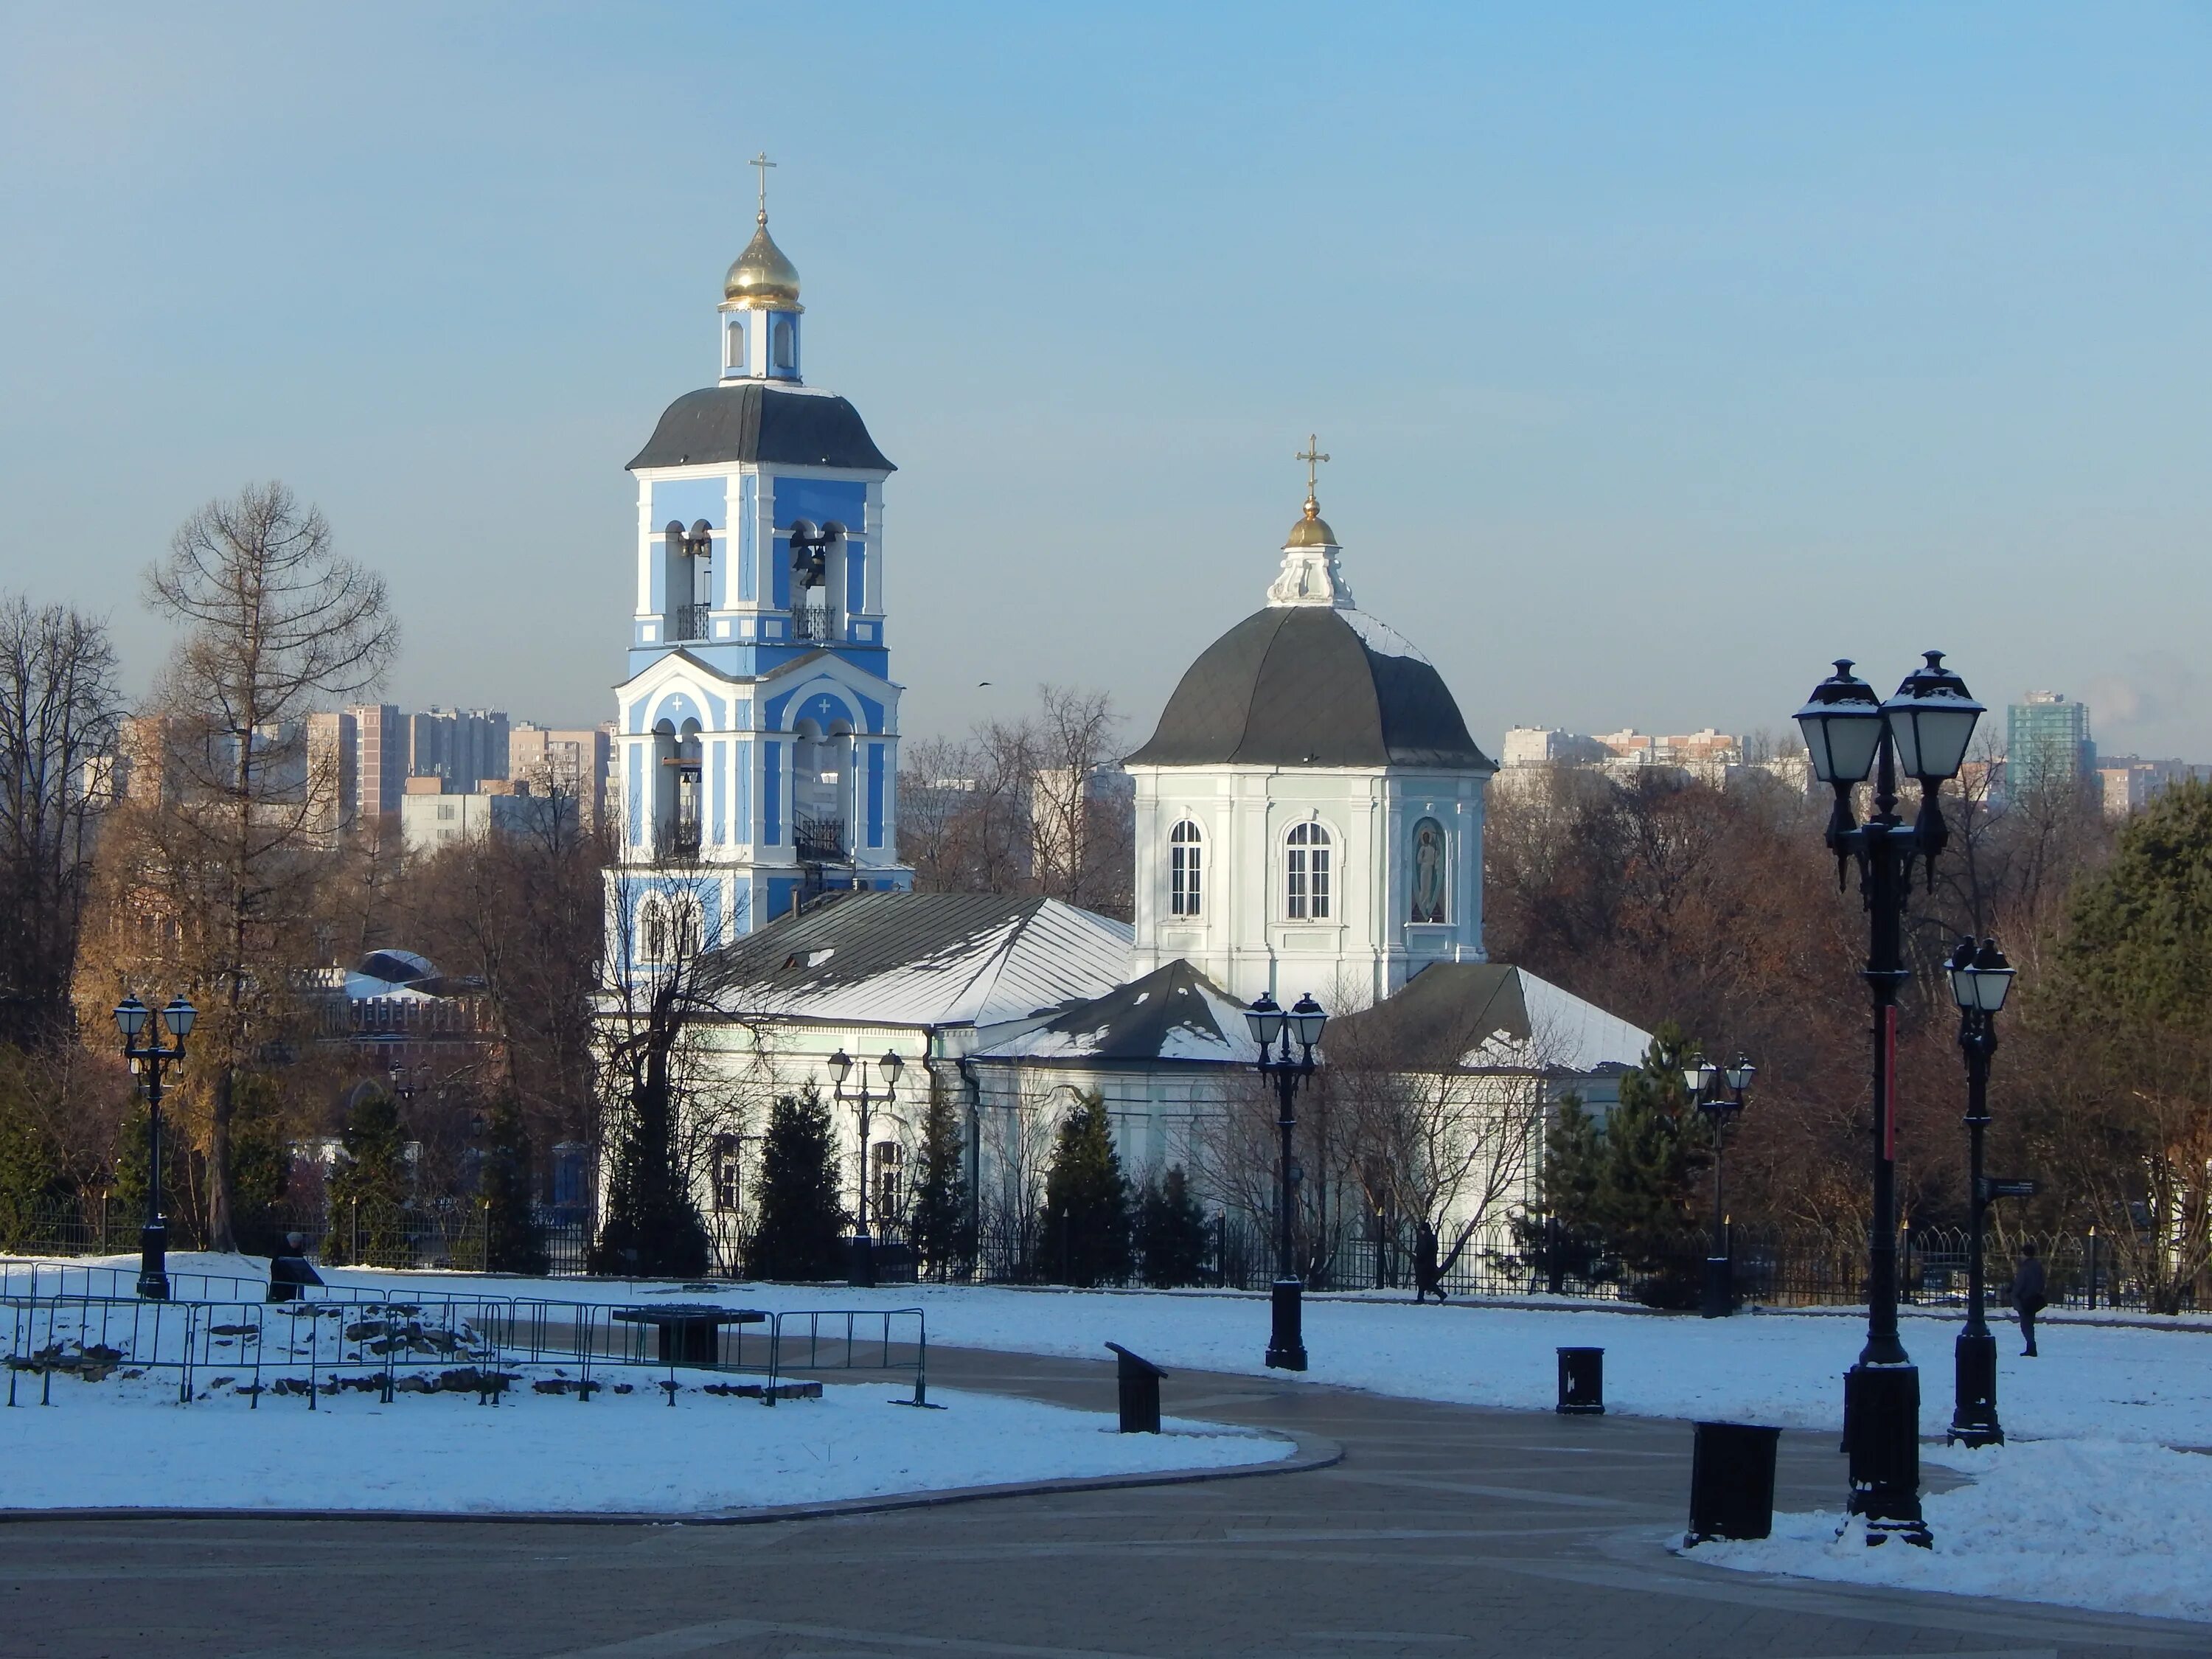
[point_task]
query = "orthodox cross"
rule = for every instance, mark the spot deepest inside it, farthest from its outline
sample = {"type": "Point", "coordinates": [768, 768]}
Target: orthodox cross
{"type": "Point", "coordinates": [761, 162]}
{"type": "Point", "coordinates": [1312, 457]}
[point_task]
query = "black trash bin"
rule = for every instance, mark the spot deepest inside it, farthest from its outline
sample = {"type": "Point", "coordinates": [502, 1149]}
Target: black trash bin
{"type": "Point", "coordinates": [1140, 1392]}
{"type": "Point", "coordinates": [1732, 1482]}
{"type": "Point", "coordinates": [1582, 1381]}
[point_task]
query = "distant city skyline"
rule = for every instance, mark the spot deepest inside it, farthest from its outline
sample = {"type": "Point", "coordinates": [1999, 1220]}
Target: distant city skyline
{"type": "Point", "coordinates": [1662, 357]}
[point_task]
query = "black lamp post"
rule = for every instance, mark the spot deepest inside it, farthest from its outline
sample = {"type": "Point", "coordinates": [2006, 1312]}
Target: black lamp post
{"type": "Point", "coordinates": [1719, 1092]}
{"type": "Point", "coordinates": [132, 1019]}
{"type": "Point", "coordinates": [1274, 1030]}
{"type": "Point", "coordinates": [1923, 732]}
{"type": "Point", "coordinates": [863, 1273]}
{"type": "Point", "coordinates": [1979, 980]}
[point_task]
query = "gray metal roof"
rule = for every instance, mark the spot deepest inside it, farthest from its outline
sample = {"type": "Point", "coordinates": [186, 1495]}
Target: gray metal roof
{"type": "Point", "coordinates": [924, 959]}
{"type": "Point", "coordinates": [1486, 1016]}
{"type": "Point", "coordinates": [757, 421]}
{"type": "Point", "coordinates": [1302, 685]}
{"type": "Point", "coordinates": [1173, 1013]}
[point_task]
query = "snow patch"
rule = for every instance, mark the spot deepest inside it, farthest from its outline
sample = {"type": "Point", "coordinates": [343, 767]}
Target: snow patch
{"type": "Point", "coordinates": [1380, 637]}
{"type": "Point", "coordinates": [2081, 1523]}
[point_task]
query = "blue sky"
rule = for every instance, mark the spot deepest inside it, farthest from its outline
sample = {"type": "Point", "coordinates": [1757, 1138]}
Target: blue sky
{"type": "Point", "coordinates": [1663, 354]}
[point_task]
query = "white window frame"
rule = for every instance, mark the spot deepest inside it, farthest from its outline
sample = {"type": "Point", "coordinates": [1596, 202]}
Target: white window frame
{"type": "Point", "coordinates": [1309, 872]}
{"type": "Point", "coordinates": [1186, 870]}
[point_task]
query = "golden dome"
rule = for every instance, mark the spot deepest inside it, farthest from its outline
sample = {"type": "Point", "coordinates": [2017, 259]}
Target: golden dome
{"type": "Point", "coordinates": [762, 277]}
{"type": "Point", "coordinates": [1312, 529]}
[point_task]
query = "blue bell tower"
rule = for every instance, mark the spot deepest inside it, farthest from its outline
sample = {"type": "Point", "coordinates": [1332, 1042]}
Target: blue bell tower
{"type": "Point", "coordinates": [757, 730]}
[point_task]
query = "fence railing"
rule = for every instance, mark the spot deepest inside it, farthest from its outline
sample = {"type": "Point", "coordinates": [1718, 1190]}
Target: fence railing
{"type": "Point", "coordinates": [324, 1345]}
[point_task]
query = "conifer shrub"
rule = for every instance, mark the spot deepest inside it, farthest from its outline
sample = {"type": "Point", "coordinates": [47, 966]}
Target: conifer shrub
{"type": "Point", "coordinates": [1085, 1227]}
{"type": "Point", "coordinates": [801, 1235]}
{"type": "Point", "coordinates": [1171, 1233]}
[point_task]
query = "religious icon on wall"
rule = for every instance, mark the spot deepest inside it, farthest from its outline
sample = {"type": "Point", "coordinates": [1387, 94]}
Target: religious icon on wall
{"type": "Point", "coordinates": [1429, 871]}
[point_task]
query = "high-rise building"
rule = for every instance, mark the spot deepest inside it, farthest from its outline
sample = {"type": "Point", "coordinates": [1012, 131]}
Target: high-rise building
{"type": "Point", "coordinates": [2047, 743]}
{"type": "Point", "coordinates": [557, 761]}
{"type": "Point", "coordinates": [463, 746]}
{"type": "Point", "coordinates": [380, 759]}
{"type": "Point", "coordinates": [333, 779]}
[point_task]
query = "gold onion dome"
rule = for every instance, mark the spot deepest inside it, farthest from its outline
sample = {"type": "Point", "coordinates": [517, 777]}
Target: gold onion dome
{"type": "Point", "coordinates": [762, 276]}
{"type": "Point", "coordinates": [1312, 529]}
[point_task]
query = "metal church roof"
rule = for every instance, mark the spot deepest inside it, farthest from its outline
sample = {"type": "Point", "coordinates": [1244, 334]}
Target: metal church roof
{"type": "Point", "coordinates": [754, 421]}
{"type": "Point", "coordinates": [1173, 1013]}
{"type": "Point", "coordinates": [1488, 1016]}
{"type": "Point", "coordinates": [1311, 685]}
{"type": "Point", "coordinates": [924, 959]}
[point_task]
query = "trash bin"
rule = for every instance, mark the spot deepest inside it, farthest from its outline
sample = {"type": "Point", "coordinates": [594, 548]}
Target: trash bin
{"type": "Point", "coordinates": [1732, 1482]}
{"type": "Point", "coordinates": [1140, 1392]}
{"type": "Point", "coordinates": [1582, 1381]}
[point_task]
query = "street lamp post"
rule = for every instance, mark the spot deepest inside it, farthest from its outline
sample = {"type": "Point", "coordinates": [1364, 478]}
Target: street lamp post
{"type": "Point", "coordinates": [1274, 1031]}
{"type": "Point", "coordinates": [863, 1271]}
{"type": "Point", "coordinates": [1980, 978]}
{"type": "Point", "coordinates": [1719, 1092]}
{"type": "Point", "coordinates": [1923, 732]}
{"type": "Point", "coordinates": [133, 1018]}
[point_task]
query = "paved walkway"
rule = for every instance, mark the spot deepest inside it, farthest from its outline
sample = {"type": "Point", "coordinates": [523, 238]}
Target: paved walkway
{"type": "Point", "coordinates": [1446, 1532]}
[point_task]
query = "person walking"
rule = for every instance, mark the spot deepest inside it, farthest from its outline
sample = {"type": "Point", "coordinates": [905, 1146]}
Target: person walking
{"type": "Point", "coordinates": [2027, 1295]}
{"type": "Point", "coordinates": [1428, 1278]}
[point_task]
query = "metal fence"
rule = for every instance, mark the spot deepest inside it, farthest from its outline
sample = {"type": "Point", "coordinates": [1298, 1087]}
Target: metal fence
{"type": "Point", "coordinates": [449, 1234]}
{"type": "Point", "coordinates": [481, 1345]}
{"type": "Point", "coordinates": [1770, 1268]}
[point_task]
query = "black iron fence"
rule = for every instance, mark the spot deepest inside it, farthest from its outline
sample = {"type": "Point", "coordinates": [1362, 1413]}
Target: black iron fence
{"type": "Point", "coordinates": [450, 1234]}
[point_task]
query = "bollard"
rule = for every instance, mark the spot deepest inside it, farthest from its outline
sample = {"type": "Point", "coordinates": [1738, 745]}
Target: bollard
{"type": "Point", "coordinates": [1140, 1392]}
{"type": "Point", "coordinates": [1582, 1381]}
{"type": "Point", "coordinates": [1732, 1482]}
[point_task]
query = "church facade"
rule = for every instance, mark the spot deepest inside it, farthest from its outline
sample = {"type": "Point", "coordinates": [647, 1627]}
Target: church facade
{"type": "Point", "coordinates": [757, 747]}
{"type": "Point", "coordinates": [1309, 818]}
{"type": "Point", "coordinates": [1308, 811]}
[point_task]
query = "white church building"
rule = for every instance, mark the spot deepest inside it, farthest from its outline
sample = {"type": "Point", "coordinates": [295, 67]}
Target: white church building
{"type": "Point", "coordinates": [1309, 817]}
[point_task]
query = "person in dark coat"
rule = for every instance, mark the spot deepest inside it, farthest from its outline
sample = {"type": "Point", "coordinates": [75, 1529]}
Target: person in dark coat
{"type": "Point", "coordinates": [2027, 1295]}
{"type": "Point", "coordinates": [1427, 1280]}
{"type": "Point", "coordinates": [292, 1271]}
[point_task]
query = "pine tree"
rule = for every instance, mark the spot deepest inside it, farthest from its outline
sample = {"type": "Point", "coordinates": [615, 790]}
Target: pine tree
{"type": "Point", "coordinates": [1629, 1183]}
{"type": "Point", "coordinates": [513, 1243]}
{"type": "Point", "coordinates": [370, 1182]}
{"type": "Point", "coordinates": [260, 1164]}
{"type": "Point", "coordinates": [1171, 1233]}
{"type": "Point", "coordinates": [939, 1225]}
{"type": "Point", "coordinates": [1086, 1201]}
{"type": "Point", "coordinates": [802, 1211]}
{"type": "Point", "coordinates": [653, 1228]}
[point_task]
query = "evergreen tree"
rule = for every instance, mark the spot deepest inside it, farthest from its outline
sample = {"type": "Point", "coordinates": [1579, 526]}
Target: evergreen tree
{"type": "Point", "coordinates": [802, 1211]}
{"type": "Point", "coordinates": [31, 1175]}
{"type": "Point", "coordinates": [1086, 1201]}
{"type": "Point", "coordinates": [260, 1164]}
{"type": "Point", "coordinates": [1629, 1184]}
{"type": "Point", "coordinates": [653, 1228]}
{"type": "Point", "coordinates": [940, 1224]}
{"type": "Point", "coordinates": [370, 1182]}
{"type": "Point", "coordinates": [1170, 1233]}
{"type": "Point", "coordinates": [513, 1243]}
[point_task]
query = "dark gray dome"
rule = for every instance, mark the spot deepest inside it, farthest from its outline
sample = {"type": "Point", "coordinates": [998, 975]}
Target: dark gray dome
{"type": "Point", "coordinates": [1312, 685]}
{"type": "Point", "coordinates": [754, 421]}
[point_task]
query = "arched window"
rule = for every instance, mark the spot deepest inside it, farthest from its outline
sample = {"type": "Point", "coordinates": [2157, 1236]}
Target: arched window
{"type": "Point", "coordinates": [784, 341]}
{"type": "Point", "coordinates": [734, 349]}
{"type": "Point", "coordinates": [1186, 870]}
{"type": "Point", "coordinates": [1306, 873]}
{"type": "Point", "coordinates": [1429, 883]}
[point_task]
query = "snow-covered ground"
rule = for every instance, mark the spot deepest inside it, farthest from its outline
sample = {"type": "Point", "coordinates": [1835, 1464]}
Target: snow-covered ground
{"type": "Point", "coordinates": [2101, 1382]}
{"type": "Point", "coordinates": [2113, 1382]}
{"type": "Point", "coordinates": [2083, 1524]}
{"type": "Point", "coordinates": [127, 1444]}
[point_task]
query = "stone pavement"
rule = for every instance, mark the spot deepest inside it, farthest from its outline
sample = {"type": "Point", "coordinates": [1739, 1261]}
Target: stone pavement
{"type": "Point", "coordinates": [1445, 1532]}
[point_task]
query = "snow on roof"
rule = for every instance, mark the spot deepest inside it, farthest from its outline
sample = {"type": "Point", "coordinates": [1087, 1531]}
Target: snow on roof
{"type": "Point", "coordinates": [1173, 1013]}
{"type": "Point", "coordinates": [1379, 636]}
{"type": "Point", "coordinates": [926, 959]}
{"type": "Point", "coordinates": [1492, 1016]}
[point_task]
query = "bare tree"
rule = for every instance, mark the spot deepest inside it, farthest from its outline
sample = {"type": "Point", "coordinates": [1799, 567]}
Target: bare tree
{"type": "Point", "coordinates": [274, 620]}
{"type": "Point", "coordinates": [58, 710]}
